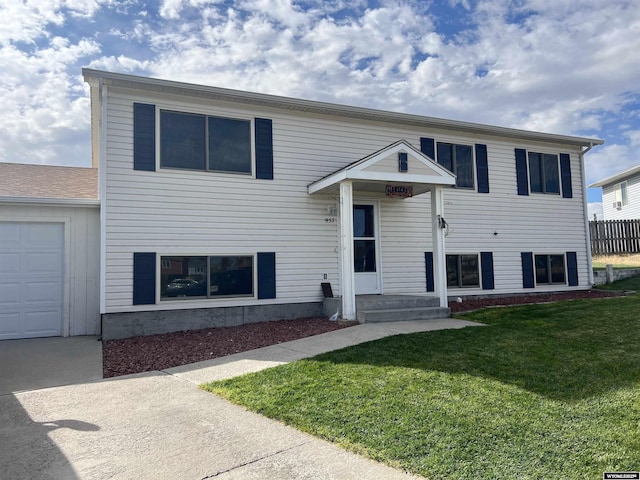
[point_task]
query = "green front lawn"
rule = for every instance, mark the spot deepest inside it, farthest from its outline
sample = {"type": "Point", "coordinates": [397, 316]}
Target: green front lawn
{"type": "Point", "coordinates": [545, 391]}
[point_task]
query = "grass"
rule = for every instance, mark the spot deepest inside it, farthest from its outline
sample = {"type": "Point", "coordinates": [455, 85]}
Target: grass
{"type": "Point", "coordinates": [618, 261]}
{"type": "Point", "coordinates": [631, 283]}
{"type": "Point", "coordinates": [545, 391]}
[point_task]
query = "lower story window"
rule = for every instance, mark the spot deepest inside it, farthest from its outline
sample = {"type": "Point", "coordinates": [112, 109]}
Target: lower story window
{"type": "Point", "coordinates": [206, 276]}
{"type": "Point", "coordinates": [550, 269]}
{"type": "Point", "coordinates": [463, 271]}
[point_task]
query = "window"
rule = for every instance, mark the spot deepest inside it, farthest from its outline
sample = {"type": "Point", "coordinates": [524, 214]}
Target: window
{"type": "Point", "coordinates": [403, 162]}
{"type": "Point", "coordinates": [206, 276]}
{"type": "Point", "coordinates": [463, 271]}
{"type": "Point", "coordinates": [620, 191]}
{"type": "Point", "coordinates": [364, 243]}
{"type": "Point", "coordinates": [459, 160]}
{"type": "Point", "coordinates": [544, 175]}
{"type": "Point", "coordinates": [200, 142]}
{"type": "Point", "coordinates": [550, 269]}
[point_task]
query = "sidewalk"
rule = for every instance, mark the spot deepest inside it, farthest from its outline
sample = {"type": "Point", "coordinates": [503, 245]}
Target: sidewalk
{"type": "Point", "coordinates": [159, 425]}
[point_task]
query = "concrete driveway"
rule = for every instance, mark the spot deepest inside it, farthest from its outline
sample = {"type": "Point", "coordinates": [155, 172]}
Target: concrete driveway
{"type": "Point", "coordinates": [36, 363]}
{"type": "Point", "coordinates": [159, 425]}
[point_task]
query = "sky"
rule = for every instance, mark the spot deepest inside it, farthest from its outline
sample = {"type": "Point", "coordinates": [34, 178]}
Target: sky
{"type": "Point", "coordinates": [560, 66]}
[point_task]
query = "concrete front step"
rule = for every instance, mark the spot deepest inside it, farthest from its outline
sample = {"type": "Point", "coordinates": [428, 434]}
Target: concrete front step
{"type": "Point", "coordinates": [390, 308]}
{"type": "Point", "coordinates": [381, 302]}
{"type": "Point", "coordinates": [390, 302]}
{"type": "Point", "coordinates": [402, 314]}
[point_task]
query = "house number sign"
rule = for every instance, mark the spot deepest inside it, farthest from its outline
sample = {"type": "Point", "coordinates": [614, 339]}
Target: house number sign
{"type": "Point", "coordinates": [398, 191]}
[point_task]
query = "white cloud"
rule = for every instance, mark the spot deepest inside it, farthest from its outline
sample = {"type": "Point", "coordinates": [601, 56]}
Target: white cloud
{"type": "Point", "coordinates": [564, 66]}
{"type": "Point", "coordinates": [595, 209]}
{"type": "Point", "coordinates": [120, 63]}
{"type": "Point", "coordinates": [171, 9]}
{"type": "Point", "coordinates": [45, 108]}
{"type": "Point", "coordinates": [634, 141]}
{"type": "Point", "coordinates": [24, 22]}
{"type": "Point", "coordinates": [608, 160]}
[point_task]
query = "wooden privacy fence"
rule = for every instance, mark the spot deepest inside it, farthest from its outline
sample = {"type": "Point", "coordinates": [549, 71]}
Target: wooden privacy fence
{"type": "Point", "coordinates": [614, 236]}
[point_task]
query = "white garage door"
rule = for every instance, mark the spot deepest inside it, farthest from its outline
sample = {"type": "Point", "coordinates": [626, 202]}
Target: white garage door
{"type": "Point", "coordinates": [31, 279]}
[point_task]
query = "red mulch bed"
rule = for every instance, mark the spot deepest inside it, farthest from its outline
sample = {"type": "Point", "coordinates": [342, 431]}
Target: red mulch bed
{"type": "Point", "coordinates": [157, 352]}
{"type": "Point", "coordinates": [477, 303]}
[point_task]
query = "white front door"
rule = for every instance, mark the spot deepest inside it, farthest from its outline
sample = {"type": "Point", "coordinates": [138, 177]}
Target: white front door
{"type": "Point", "coordinates": [365, 248]}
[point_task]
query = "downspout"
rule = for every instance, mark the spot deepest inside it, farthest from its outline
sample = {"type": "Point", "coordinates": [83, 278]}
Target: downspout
{"type": "Point", "coordinates": [102, 193]}
{"type": "Point", "coordinates": [586, 212]}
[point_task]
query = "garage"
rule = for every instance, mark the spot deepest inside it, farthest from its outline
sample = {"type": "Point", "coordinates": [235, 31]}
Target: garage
{"type": "Point", "coordinates": [31, 279]}
{"type": "Point", "coordinates": [49, 251]}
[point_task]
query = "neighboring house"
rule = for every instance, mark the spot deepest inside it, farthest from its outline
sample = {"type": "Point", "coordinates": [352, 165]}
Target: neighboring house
{"type": "Point", "coordinates": [621, 195]}
{"type": "Point", "coordinates": [221, 207]}
{"type": "Point", "coordinates": [49, 251]}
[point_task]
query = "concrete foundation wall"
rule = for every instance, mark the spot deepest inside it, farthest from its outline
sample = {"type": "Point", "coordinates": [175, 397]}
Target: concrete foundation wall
{"type": "Point", "coordinates": [133, 324]}
{"type": "Point", "coordinates": [601, 277]}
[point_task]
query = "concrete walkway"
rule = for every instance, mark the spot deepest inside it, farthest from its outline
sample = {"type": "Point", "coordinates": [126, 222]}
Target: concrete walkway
{"type": "Point", "coordinates": [159, 425]}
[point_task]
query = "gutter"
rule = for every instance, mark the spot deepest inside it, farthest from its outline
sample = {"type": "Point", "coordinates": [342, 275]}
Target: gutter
{"type": "Point", "coordinates": [53, 201]}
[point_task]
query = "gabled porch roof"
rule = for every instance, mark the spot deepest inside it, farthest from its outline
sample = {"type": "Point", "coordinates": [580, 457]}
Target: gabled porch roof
{"type": "Point", "coordinates": [375, 172]}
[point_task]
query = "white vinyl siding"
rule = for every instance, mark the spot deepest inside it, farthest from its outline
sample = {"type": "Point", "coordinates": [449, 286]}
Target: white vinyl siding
{"type": "Point", "coordinates": [81, 314]}
{"type": "Point", "coordinates": [533, 223]}
{"type": "Point", "coordinates": [629, 211]}
{"type": "Point", "coordinates": [174, 212]}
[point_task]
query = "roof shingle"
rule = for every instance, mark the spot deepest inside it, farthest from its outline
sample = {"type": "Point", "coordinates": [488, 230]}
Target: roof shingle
{"type": "Point", "coordinates": [48, 181]}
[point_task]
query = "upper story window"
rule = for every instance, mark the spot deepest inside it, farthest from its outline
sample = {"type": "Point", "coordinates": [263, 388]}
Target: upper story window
{"type": "Point", "coordinates": [459, 160]}
{"type": "Point", "coordinates": [544, 173]}
{"type": "Point", "coordinates": [548, 173]}
{"type": "Point", "coordinates": [201, 142]}
{"type": "Point", "coordinates": [621, 197]}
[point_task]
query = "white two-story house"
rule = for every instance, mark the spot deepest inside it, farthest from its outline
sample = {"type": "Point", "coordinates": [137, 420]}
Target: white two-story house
{"type": "Point", "coordinates": [220, 207]}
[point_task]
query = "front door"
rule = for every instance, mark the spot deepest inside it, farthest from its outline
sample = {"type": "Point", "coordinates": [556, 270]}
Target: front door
{"type": "Point", "coordinates": [365, 249]}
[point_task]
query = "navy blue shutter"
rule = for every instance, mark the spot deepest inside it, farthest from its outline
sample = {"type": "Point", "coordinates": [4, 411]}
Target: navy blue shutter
{"type": "Point", "coordinates": [144, 278]}
{"type": "Point", "coordinates": [572, 269]}
{"type": "Point", "coordinates": [521, 171]}
{"type": "Point", "coordinates": [428, 147]}
{"type": "Point", "coordinates": [528, 280]}
{"type": "Point", "coordinates": [482, 168]}
{"type": "Point", "coordinates": [144, 137]}
{"type": "Point", "coordinates": [264, 148]}
{"type": "Point", "coordinates": [266, 275]}
{"type": "Point", "coordinates": [428, 262]}
{"type": "Point", "coordinates": [486, 264]}
{"type": "Point", "coordinates": [565, 175]}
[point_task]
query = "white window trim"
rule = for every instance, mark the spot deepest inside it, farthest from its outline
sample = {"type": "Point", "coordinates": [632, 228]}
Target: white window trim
{"type": "Point", "coordinates": [621, 194]}
{"type": "Point", "coordinates": [459, 288]}
{"type": "Point", "coordinates": [557, 155]}
{"type": "Point", "coordinates": [564, 263]}
{"type": "Point", "coordinates": [204, 300]}
{"type": "Point", "coordinates": [473, 165]}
